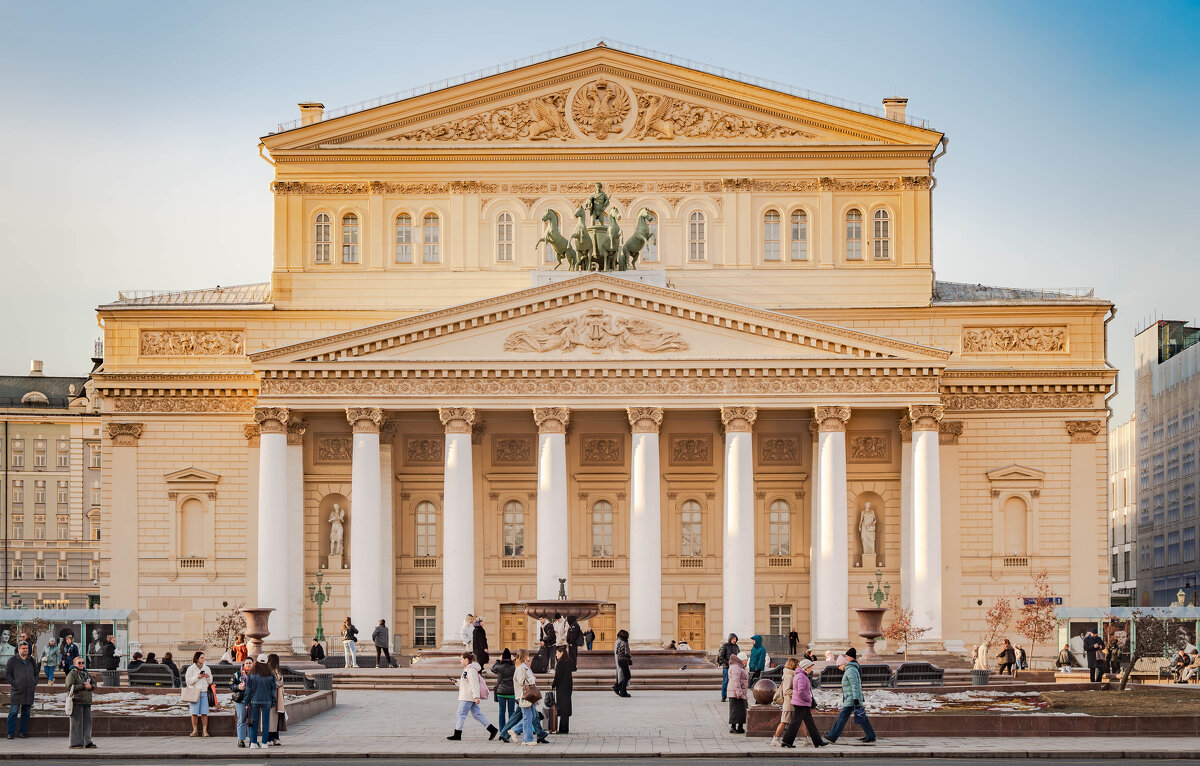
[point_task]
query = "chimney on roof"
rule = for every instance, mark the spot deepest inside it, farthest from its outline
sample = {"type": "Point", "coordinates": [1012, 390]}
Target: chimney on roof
{"type": "Point", "coordinates": [35, 368]}
{"type": "Point", "coordinates": [310, 112]}
{"type": "Point", "coordinates": [893, 108]}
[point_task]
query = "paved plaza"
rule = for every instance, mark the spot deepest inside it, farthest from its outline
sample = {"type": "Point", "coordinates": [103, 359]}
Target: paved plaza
{"type": "Point", "coordinates": [369, 724]}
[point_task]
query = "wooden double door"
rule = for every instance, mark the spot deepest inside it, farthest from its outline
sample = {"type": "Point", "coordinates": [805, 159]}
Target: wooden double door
{"type": "Point", "coordinates": [692, 625]}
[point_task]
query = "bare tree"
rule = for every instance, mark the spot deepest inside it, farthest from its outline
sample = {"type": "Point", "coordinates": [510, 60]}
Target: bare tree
{"type": "Point", "coordinates": [1036, 619]}
{"type": "Point", "coordinates": [1152, 637]}
{"type": "Point", "coordinates": [998, 619]}
{"type": "Point", "coordinates": [229, 626]}
{"type": "Point", "coordinates": [902, 628]}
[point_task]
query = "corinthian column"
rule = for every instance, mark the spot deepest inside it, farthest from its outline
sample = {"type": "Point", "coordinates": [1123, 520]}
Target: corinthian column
{"type": "Point", "coordinates": [368, 567]}
{"type": "Point", "coordinates": [553, 544]}
{"type": "Point", "coordinates": [458, 524]}
{"type": "Point", "coordinates": [294, 547]}
{"type": "Point", "coordinates": [273, 520]}
{"type": "Point", "coordinates": [907, 571]}
{"type": "Point", "coordinates": [737, 602]}
{"type": "Point", "coordinates": [830, 551]}
{"type": "Point", "coordinates": [645, 530]}
{"type": "Point", "coordinates": [926, 520]}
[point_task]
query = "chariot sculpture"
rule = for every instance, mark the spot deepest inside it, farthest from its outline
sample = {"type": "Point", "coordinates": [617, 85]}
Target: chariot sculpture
{"type": "Point", "coordinates": [596, 246]}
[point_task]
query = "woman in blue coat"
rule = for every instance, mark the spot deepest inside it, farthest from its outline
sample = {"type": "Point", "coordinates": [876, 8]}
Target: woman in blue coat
{"type": "Point", "coordinates": [260, 696]}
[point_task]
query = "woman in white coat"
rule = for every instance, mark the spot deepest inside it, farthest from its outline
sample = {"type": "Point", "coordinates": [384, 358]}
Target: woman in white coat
{"type": "Point", "coordinates": [470, 692]}
{"type": "Point", "coordinates": [198, 677]}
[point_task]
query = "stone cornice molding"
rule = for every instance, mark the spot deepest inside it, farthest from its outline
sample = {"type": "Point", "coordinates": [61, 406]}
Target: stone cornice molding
{"type": "Point", "coordinates": [644, 420]}
{"type": "Point", "coordinates": [457, 420]}
{"type": "Point", "coordinates": [1022, 401]}
{"type": "Point", "coordinates": [551, 420]}
{"type": "Point", "coordinates": [295, 431]}
{"type": "Point", "coordinates": [272, 420]}
{"type": "Point", "coordinates": [949, 431]}
{"type": "Point", "coordinates": [192, 404]}
{"type": "Point", "coordinates": [906, 429]}
{"type": "Point", "coordinates": [601, 151]}
{"type": "Point", "coordinates": [1084, 431]}
{"type": "Point", "coordinates": [364, 420]}
{"type": "Point", "coordinates": [831, 419]}
{"type": "Point", "coordinates": [925, 417]}
{"type": "Point", "coordinates": [251, 431]}
{"type": "Point", "coordinates": [124, 434]}
{"type": "Point", "coordinates": [739, 419]}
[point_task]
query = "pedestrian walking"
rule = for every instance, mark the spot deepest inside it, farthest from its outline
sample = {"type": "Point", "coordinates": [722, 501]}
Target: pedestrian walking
{"type": "Point", "coordinates": [853, 701]}
{"type": "Point", "coordinates": [468, 632]}
{"type": "Point", "coordinates": [1007, 657]}
{"type": "Point", "coordinates": [169, 663]}
{"type": "Point", "coordinates": [21, 672]}
{"type": "Point", "coordinates": [479, 643]}
{"type": "Point", "coordinates": [67, 654]}
{"type": "Point", "coordinates": [379, 637]}
{"type": "Point", "coordinates": [237, 684]}
{"type": "Point", "coordinates": [589, 637]}
{"type": "Point", "coordinates": [802, 707]}
{"type": "Point", "coordinates": [727, 650]}
{"type": "Point", "coordinates": [739, 684]}
{"type": "Point", "coordinates": [471, 690]}
{"type": "Point", "coordinates": [564, 686]}
{"type": "Point", "coordinates": [79, 703]}
{"type": "Point", "coordinates": [261, 693]}
{"type": "Point", "coordinates": [195, 692]}
{"type": "Point", "coordinates": [1022, 659]}
{"type": "Point", "coordinates": [50, 659]}
{"type": "Point", "coordinates": [783, 698]}
{"type": "Point", "coordinates": [624, 660]}
{"type": "Point", "coordinates": [524, 720]}
{"type": "Point", "coordinates": [316, 652]}
{"type": "Point", "coordinates": [278, 717]}
{"type": "Point", "coordinates": [793, 641]}
{"type": "Point", "coordinates": [758, 659]}
{"type": "Point", "coordinates": [504, 669]}
{"type": "Point", "coordinates": [349, 642]}
{"type": "Point", "coordinates": [1092, 644]}
{"type": "Point", "coordinates": [574, 639]}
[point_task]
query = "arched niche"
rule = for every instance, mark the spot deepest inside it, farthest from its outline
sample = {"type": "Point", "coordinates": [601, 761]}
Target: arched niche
{"type": "Point", "coordinates": [869, 560]}
{"type": "Point", "coordinates": [325, 509]}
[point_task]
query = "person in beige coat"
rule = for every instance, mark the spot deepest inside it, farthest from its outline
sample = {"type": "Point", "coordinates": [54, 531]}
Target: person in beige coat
{"type": "Point", "coordinates": [783, 696]}
{"type": "Point", "coordinates": [273, 723]}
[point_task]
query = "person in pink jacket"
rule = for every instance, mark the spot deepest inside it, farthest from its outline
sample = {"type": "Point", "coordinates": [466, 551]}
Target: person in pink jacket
{"type": "Point", "coordinates": [739, 684]}
{"type": "Point", "coordinates": [802, 703]}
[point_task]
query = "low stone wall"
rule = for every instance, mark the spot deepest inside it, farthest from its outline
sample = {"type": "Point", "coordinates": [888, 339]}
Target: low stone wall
{"type": "Point", "coordinates": [220, 724]}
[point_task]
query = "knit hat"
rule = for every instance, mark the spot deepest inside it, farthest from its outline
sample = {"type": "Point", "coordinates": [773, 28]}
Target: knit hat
{"type": "Point", "coordinates": [506, 655]}
{"type": "Point", "coordinates": [805, 664]}
{"type": "Point", "coordinates": [852, 653]}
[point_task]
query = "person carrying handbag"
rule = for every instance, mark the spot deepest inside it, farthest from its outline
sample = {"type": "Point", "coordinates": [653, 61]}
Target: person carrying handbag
{"type": "Point", "coordinates": [79, 704]}
{"type": "Point", "coordinates": [524, 719]}
{"type": "Point", "coordinates": [238, 684]}
{"type": "Point", "coordinates": [197, 681]}
{"type": "Point", "coordinates": [802, 707]}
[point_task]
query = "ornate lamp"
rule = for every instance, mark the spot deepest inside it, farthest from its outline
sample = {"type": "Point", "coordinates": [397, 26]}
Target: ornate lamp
{"type": "Point", "coordinates": [879, 591]}
{"type": "Point", "coordinates": [320, 598]}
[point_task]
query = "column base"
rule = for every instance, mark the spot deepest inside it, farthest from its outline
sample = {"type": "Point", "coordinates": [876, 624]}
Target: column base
{"type": "Point", "coordinates": [275, 646]}
{"type": "Point", "coordinates": [928, 646]}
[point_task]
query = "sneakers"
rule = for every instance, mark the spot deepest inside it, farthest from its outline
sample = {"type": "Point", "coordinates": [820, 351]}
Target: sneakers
{"type": "Point", "coordinates": [866, 740]}
{"type": "Point", "coordinates": [241, 743]}
{"type": "Point", "coordinates": [529, 744]}
{"type": "Point", "coordinates": [775, 742]}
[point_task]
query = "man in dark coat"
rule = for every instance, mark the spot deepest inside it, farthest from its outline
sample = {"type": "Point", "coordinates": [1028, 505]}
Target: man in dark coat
{"type": "Point", "coordinates": [1092, 646]}
{"type": "Point", "coordinates": [548, 640]}
{"type": "Point", "coordinates": [480, 644]}
{"type": "Point", "coordinates": [110, 654]}
{"type": "Point", "coordinates": [793, 641]}
{"type": "Point", "coordinates": [379, 637]}
{"type": "Point", "coordinates": [563, 685]}
{"type": "Point", "coordinates": [22, 673]}
{"type": "Point", "coordinates": [728, 648]}
{"type": "Point", "coordinates": [574, 639]}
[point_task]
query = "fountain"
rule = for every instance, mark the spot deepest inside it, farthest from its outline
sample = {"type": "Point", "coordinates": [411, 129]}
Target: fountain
{"type": "Point", "coordinates": [580, 609]}
{"type": "Point", "coordinates": [256, 627]}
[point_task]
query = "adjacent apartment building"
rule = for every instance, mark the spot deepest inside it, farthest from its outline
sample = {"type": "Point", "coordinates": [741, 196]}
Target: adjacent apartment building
{"type": "Point", "coordinates": [1122, 508]}
{"type": "Point", "coordinates": [1167, 433]}
{"type": "Point", "coordinates": [51, 500]}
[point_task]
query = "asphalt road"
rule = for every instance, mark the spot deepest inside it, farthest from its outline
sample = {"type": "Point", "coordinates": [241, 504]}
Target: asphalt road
{"type": "Point", "coordinates": [666, 761]}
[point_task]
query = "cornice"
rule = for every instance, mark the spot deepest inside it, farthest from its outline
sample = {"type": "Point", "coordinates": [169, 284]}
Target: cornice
{"type": "Point", "coordinates": [608, 153]}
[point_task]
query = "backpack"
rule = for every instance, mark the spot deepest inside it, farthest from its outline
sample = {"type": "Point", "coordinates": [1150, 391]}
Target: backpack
{"type": "Point", "coordinates": [579, 637]}
{"type": "Point", "coordinates": [483, 689]}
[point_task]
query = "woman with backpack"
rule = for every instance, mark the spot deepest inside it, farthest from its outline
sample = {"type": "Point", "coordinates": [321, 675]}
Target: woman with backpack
{"type": "Point", "coordinates": [471, 691]}
{"type": "Point", "coordinates": [504, 670]}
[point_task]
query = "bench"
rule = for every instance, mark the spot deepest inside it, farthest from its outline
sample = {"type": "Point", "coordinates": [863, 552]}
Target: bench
{"type": "Point", "coordinates": [152, 675]}
{"type": "Point", "coordinates": [830, 676]}
{"type": "Point", "coordinates": [876, 675]}
{"type": "Point", "coordinates": [919, 673]}
{"type": "Point", "coordinates": [222, 674]}
{"type": "Point", "coordinates": [293, 677]}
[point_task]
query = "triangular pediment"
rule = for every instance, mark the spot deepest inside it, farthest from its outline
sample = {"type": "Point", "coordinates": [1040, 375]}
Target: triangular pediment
{"type": "Point", "coordinates": [192, 475]}
{"type": "Point", "coordinates": [605, 97]}
{"type": "Point", "coordinates": [599, 319]}
{"type": "Point", "coordinates": [1016, 473]}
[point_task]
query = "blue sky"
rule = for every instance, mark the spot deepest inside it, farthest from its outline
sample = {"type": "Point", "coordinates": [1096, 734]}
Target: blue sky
{"type": "Point", "coordinates": [128, 131]}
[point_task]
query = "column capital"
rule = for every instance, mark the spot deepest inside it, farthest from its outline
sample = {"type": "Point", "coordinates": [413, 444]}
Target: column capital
{"type": "Point", "coordinates": [295, 431]}
{"type": "Point", "coordinates": [831, 419]}
{"type": "Point", "coordinates": [252, 433]}
{"type": "Point", "coordinates": [124, 434]}
{"type": "Point", "coordinates": [739, 418]}
{"type": "Point", "coordinates": [905, 429]}
{"type": "Point", "coordinates": [457, 420]}
{"type": "Point", "coordinates": [925, 417]}
{"type": "Point", "coordinates": [644, 420]}
{"type": "Point", "coordinates": [1084, 431]}
{"type": "Point", "coordinates": [949, 431]}
{"type": "Point", "coordinates": [551, 420]}
{"type": "Point", "coordinates": [364, 420]}
{"type": "Point", "coordinates": [272, 420]}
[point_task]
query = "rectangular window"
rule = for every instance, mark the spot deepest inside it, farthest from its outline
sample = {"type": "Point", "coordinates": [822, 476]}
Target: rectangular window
{"type": "Point", "coordinates": [1128, 572]}
{"type": "Point", "coordinates": [650, 249]}
{"type": "Point", "coordinates": [602, 530]}
{"type": "Point", "coordinates": [64, 528]}
{"type": "Point", "coordinates": [1158, 433]}
{"type": "Point", "coordinates": [39, 453]}
{"type": "Point", "coordinates": [1172, 548]}
{"type": "Point", "coordinates": [96, 495]}
{"type": "Point", "coordinates": [39, 570]}
{"type": "Point", "coordinates": [799, 236]}
{"type": "Point", "coordinates": [1158, 506]}
{"type": "Point", "coordinates": [18, 528]}
{"type": "Point", "coordinates": [504, 238]}
{"type": "Point", "coordinates": [882, 241]}
{"type": "Point", "coordinates": [1144, 511]}
{"type": "Point", "coordinates": [1158, 470]}
{"type": "Point", "coordinates": [1144, 438]}
{"type": "Point", "coordinates": [324, 239]}
{"type": "Point", "coordinates": [95, 573]}
{"type": "Point", "coordinates": [62, 570]}
{"type": "Point", "coordinates": [64, 492]}
{"type": "Point", "coordinates": [1189, 500]}
{"type": "Point", "coordinates": [39, 492]}
{"type": "Point", "coordinates": [691, 533]}
{"type": "Point", "coordinates": [1144, 474]}
{"type": "Point", "coordinates": [854, 251]}
{"type": "Point", "coordinates": [1173, 505]}
{"type": "Point", "coordinates": [16, 451]}
{"type": "Point", "coordinates": [1172, 426]}
{"type": "Point", "coordinates": [1116, 575]}
{"type": "Point", "coordinates": [1173, 464]}
{"type": "Point", "coordinates": [779, 529]}
{"type": "Point", "coordinates": [1189, 545]}
{"type": "Point", "coordinates": [1144, 557]}
{"type": "Point", "coordinates": [1189, 458]}
{"type": "Point", "coordinates": [696, 237]}
{"type": "Point", "coordinates": [771, 250]}
{"type": "Point", "coordinates": [425, 626]}
{"type": "Point", "coordinates": [426, 530]}
{"type": "Point", "coordinates": [39, 528]}
{"type": "Point", "coordinates": [18, 570]}
{"type": "Point", "coordinates": [514, 529]}
{"type": "Point", "coordinates": [1160, 552]}
{"type": "Point", "coordinates": [64, 454]}
{"type": "Point", "coordinates": [404, 239]}
{"type": "Point", "coordinates": [432, 238]}
{"type": "Point", "coordinates": [1189, 420]}
{"type": "Point", "coordinates": [781, 619]}
{"type": "Point", "coordinates": [350, 239]}
{"type": "Point", "coordinates": [18, 491]}
{"type": "Point", "coordinates": [93, 455]}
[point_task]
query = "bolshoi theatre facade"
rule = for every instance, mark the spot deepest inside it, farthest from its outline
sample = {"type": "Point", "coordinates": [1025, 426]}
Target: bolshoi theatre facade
{"type": "Point", "coordinates": [672, 336]}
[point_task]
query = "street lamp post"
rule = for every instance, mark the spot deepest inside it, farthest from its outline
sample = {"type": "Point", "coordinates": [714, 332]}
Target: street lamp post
{"type": "Point", "coordinates": [320, 598]}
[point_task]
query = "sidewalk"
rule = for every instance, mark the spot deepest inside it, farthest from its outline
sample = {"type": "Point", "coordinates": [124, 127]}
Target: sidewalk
{"type": "Point", "coordinates": [667, 723]}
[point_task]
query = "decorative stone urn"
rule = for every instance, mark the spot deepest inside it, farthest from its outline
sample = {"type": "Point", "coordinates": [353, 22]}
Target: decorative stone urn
{"type": "Point", "coordinates": [256, 627]}
{"type": "Point", "coordinates": [870, 627]}
{"type": "Point", "coordinates": [763, 691]}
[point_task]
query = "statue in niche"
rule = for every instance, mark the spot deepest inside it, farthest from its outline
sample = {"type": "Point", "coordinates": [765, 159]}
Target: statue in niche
{"type": "Point", "coordinates": [866, 530]}
{"type": "Point", "coordinates": [337, 520]}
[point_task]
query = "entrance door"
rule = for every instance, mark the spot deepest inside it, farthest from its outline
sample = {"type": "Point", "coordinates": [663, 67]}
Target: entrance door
{"type": "Point", "coordinates": [692, 625]}
{"type": "Point", "coordinates": [605, 626]}
{"type": "Point", "coordinates": [514, 630]}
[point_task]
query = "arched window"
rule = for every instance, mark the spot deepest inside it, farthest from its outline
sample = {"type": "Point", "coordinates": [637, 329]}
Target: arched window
{"type": "Point", "coordinates": [602, 529]}
{"type": "Point", "coordinates": [771, 236]}
{"type": "Point", "coordinates": [349, 238]}
{"type": "Point", "coordinates": [191, 529]}
{"type": "Point", "coordinates": [779, 529]}
{"type": "Point", "coordinates": [854, 221]}
{"type": "Point", "coordinates": [696, 236]}
{"type": "Point", "coordinates": [691, 531]}
{"type": "Point", "coordinates": [404, 238]}
{"type": "Point", "coordinates": [514, 528]}
{"type": "Point", "coordinates": [504, 238]}
{"type": "Point", "coordinates": [431, 235]}
{"type": "Point", "coordinates": [426, 537]}
{"type": "Point", "coordinates": [650, 250]}
{"type": "Point", "coordinates": [322, 237]}
{"type": "Point", "coordinates": [799, 235]}
{"type": "Point", "coordinates": [1016, 527]}
{"type": "Point", "coordinates": [883, 235]}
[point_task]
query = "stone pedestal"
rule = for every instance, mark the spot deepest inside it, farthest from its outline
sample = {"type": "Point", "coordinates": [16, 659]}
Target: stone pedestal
{"type": "Point", "coordinates": [870, 561]}
{"type": "Point", "coordinates": [334, 563]}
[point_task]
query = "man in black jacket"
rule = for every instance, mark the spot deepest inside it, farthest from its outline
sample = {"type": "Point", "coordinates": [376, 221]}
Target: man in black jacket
{"type": "Point", "coordinates": [728, 649]}
{"type": "Point", "coordinates": [549, 638]}
{"type": "Point", "coordinates": [316, 652]}
{"type": "Point", "coordinates": [22, 673]}
{"type": "Point", "coordinates": [110, 654]}
{"type": "Point", "coordinates": [1091, 646]}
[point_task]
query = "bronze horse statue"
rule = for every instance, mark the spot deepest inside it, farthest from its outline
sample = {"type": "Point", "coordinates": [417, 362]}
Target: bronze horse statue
{"type": "Point", "coordinates": [641, 235]}
{"type": "Point", "coordinates": [561, 246]}
{"type": "Point", "coordinates": [581, 240]}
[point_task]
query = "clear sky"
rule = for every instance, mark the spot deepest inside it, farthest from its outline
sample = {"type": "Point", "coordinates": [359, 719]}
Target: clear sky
{"type": "Point", "coordinates": [128, 131]}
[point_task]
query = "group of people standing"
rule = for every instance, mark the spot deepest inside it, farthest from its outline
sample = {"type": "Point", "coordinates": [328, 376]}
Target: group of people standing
{"type": "Point", "coordinates": [379, 639]}
{"type": "Point", "coordinates": [22, 674]}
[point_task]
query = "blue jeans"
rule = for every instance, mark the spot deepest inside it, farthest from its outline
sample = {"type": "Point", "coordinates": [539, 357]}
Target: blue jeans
{"type": "Point", "coordinates": [23, 712]}
{"type": "Point", "coordinates": [860, 717]}
{"type": "Point", "coordinates": [465, 708]}
{"type": "Point", "coordinates": [260, 722]}
{"type": "Point", "coordinates": [507, 706]}
{"type": "Point", "coordinates": [724, 682]}
{"type": "Point", "coordinates": [50, 673]}
{"type": "Point", "coordinates": [527, 723]}
{"type": "Point", "coordinates": [518, 725]}
{"type": "Point", "coordinates": [243, 725]}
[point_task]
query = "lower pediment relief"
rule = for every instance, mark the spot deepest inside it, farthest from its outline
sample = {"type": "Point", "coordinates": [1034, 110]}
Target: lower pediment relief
{"type": "Point", "coordinates": [595, 330]}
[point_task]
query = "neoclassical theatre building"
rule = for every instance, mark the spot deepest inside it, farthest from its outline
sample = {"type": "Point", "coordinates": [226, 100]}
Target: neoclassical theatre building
{"type": "Point", "coordinates": [775, 400]}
